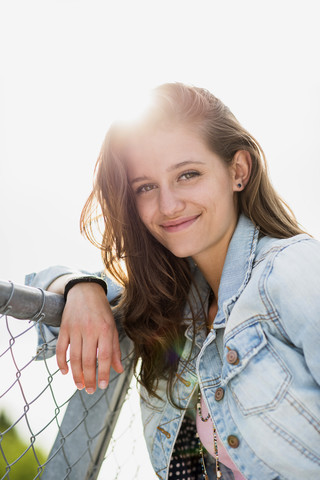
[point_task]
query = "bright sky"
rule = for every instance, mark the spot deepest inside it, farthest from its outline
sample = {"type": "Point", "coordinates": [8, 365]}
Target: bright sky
{"type": "Point", "coordinates": [69, 66]}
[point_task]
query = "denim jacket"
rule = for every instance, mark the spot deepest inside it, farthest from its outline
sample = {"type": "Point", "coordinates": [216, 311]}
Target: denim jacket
{"type": "Point", "coordinates": [262, 357]}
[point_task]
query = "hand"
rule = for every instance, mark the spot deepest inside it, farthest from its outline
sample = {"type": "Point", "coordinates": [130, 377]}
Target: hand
{"type": "Point", "coordinates": [89, 327]}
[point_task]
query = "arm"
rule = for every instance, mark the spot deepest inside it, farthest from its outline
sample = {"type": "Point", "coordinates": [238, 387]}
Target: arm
{"type": "Point", "coordinates": [87, 326]}
{"type": "Point", "coordinates": [295, 291]}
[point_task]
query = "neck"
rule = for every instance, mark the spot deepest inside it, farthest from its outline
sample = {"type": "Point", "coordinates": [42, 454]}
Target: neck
{"type": "Point", "coordinates": [211, 268]}
{"type": "Point", "coordinates": [211, 262]}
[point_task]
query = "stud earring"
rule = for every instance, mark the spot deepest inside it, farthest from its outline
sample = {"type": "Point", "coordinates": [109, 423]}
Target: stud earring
{"type": "Point", "coordinates": [239, 185]}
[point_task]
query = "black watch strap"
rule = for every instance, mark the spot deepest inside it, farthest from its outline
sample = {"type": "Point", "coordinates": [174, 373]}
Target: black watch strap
{"type": "Point", "coordinates": [85, 279]}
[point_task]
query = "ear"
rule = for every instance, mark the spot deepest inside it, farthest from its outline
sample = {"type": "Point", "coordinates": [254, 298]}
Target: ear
{"type": "Point", "coordinates": [241, 170]}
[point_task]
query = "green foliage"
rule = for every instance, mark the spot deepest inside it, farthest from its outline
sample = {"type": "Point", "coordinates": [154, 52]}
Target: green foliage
{"type": "Point", "coordinates": [11, 447]}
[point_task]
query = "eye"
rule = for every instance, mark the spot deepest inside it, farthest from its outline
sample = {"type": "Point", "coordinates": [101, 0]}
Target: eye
{"type": "Point", "coordinates": [145, 188]}
{"type": "Point", "coordinates": [189, 175]}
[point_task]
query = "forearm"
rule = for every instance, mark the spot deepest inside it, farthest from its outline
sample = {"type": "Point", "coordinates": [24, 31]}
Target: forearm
{"type": "Point", "coordinates": [58, 285]}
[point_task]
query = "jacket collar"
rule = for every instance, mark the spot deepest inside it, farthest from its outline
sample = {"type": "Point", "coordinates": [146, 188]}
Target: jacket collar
{"type": "Point", "coordinates": [237, 268]}
{"type": "Point", "coordinates": [235, 276]}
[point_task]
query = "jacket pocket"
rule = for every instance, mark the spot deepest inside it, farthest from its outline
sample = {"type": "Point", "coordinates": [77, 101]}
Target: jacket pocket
{"type": "Point", "coordinates": [253, 371]}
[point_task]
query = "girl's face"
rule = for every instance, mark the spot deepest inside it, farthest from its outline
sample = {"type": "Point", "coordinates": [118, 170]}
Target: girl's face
{"type": "Point", "coordinates": [184, 192]}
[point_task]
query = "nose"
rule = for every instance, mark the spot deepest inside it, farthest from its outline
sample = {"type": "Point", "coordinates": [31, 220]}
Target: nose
{"type": "Point", "coordinates": [170, 202]}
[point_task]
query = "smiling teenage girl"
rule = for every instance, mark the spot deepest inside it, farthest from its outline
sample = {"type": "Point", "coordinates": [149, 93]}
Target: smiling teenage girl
{"type": "Point", "coordinates": [220, 295]}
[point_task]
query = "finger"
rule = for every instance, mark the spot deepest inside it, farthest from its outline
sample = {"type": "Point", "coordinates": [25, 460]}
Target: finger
{"type": "Point", "coordinates": [89, 362]}
{"type": "Point", "coordinates": [104, 360]}
{"type": "Point", "coordinates": [116, 354]}
{"type": "Point", "coordinates": [76, 360]}
{"type": "Point", "coordinates": [61, 351]}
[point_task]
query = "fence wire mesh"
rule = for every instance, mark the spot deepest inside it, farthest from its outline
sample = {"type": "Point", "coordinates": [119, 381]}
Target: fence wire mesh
{"type": "Point", "coordinates": [49, 430]}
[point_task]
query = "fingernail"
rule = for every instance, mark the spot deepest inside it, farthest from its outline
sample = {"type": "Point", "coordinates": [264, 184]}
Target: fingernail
{"type": "Point", "coordinates": [103, 384]}
{"type": "Point", "coordinates": [63, 371]}
{"type": "Point", "coordinates": [79, 386]}
{"type": "Point", "coordinates": [90, 390]}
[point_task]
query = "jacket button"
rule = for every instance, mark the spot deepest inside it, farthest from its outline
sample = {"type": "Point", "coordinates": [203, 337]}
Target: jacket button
{"type": "Point", "coordinates": [232, 357]}
{"type": "Point", "coordinates": [233, 441]}
{"type": "Point", "coordinates": [219, 394]}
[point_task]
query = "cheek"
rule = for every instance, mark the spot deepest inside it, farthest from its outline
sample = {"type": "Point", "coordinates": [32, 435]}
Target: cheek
{"type": "Point", "coordinates": [219, 200]}
{"type": "Point", "coordinates": [225, 188]}
{"type": "Point", "coordinates": [144, 212]}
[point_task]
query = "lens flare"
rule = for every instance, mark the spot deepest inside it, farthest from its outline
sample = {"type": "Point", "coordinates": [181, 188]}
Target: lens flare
{"type": "Point", "coordinates": [131, 107]}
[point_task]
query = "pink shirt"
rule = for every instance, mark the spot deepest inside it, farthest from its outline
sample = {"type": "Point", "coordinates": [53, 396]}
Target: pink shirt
{"type": "Point", "coordinates": [205, 432]}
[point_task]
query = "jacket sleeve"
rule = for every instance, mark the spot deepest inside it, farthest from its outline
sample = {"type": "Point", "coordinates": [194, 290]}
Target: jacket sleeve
{"type": "Point", "coordinates": [45, 277]}
{"type": "Point", "coordinates": [293, 286]}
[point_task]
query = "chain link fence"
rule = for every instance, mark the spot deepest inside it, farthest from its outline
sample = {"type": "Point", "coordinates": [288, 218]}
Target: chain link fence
{"type": "Point", "coordinates": [48, 429]}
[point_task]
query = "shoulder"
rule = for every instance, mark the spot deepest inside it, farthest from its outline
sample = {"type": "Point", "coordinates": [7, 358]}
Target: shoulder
{"type": "Point", "coordinates": [289, 278]}
{"type": "Point", "coordinates": [303, 244]}
{"type": "Point", "coordinates": [296, 255]}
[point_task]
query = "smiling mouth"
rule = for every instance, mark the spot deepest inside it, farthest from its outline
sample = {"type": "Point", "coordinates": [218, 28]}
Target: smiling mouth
{"type": "Point", "coordinates": [179, 224]}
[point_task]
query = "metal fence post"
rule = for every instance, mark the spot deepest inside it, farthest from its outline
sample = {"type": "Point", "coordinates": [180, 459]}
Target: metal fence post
{"type": "Point", "coordinates": [25, 303]}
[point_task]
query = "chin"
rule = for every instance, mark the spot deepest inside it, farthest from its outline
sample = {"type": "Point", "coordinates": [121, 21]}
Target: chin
{"type": "Point", "coordinates": [181, 252]}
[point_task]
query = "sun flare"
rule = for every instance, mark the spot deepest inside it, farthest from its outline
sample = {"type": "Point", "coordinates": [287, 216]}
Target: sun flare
{"type": "Point", "coordinates": [130, 108]}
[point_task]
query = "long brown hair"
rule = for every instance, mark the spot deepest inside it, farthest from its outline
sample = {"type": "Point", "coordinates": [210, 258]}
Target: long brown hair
{"type": "Point", "coordinates": [156, 283]}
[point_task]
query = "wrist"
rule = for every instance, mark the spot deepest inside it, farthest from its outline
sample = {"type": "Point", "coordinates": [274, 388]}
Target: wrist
{"type": "Point", "coordinates": [92, 279]}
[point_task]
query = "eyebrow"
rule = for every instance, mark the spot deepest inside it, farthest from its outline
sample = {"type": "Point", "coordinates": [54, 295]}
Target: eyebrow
{"type": "Point", "coordinates": [170, 169]}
